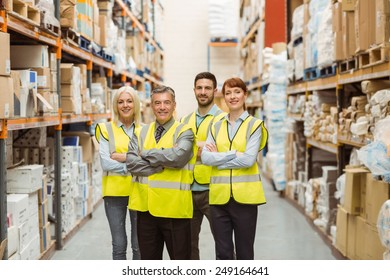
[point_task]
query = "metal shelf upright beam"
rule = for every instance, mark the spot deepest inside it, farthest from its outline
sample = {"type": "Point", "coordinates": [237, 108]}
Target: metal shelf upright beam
{"type": "Point", "coordinates": [58, 144]}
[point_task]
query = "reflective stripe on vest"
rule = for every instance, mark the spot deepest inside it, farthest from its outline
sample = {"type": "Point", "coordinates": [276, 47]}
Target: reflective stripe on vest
{"type": "Point", "coordinates": [243, 184]}
{"type": "Point", "coordinates": [202, 172]}
{"type": "Point", "coordinates": [165, 194]}
{"type": "Point", "coordinates": [114, 184]}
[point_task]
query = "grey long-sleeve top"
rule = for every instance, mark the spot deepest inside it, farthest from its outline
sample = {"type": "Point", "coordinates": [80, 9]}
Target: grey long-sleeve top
{"type": "Point", "coordinates": [152, 161]}
{"type": "Point", "coordinates": [229, 159]}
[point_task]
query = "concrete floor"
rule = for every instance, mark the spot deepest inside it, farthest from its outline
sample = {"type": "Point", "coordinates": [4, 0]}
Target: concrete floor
{"type": "Point", "coordinates": [283, 233]}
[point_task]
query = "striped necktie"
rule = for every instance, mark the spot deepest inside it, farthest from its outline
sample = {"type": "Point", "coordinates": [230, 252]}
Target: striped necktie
{"type": "Point", "coordinates": [159, 132]}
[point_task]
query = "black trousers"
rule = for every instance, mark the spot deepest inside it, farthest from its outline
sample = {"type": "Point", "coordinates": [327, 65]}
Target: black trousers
{"type": "Point", "coordinates": [200, 200]}
{"type": "Point", "coordinates": [234, 219]}
{"type": "Point", "coordinates": [153, 232]}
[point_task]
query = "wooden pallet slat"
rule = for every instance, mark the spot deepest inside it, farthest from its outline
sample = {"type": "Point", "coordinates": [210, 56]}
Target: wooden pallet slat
{"type": "Point", "coordinates": [70, 36]}
{"type": "Point", "coordinates": [311, 73]}
{"type": "Point", "coordinates": [374, 56]}
{"type": "Point", "coordinates": [348, 65]}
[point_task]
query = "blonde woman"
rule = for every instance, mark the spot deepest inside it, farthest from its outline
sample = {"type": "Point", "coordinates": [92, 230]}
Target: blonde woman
{"type": "Point", "coordinates": [114, 139]}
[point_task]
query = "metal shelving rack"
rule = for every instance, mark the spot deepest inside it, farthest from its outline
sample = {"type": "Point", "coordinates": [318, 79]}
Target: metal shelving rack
{"type": "Point", "coordinates": [10, 22]}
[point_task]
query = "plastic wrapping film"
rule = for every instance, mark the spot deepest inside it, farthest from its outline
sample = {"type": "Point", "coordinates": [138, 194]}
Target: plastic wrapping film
{"type": "Point", "coordinates": [47, 7]}
{"type": "Point", "coordinates": [340, 187]}
{"type": "Point", "coordinates": [297, 22]}
{"type": "Point", "coordinates": [223, 18]}
{"type": "Point", "coordinates": [374, 157]}
{"type": "Point", "coordinates": [325, 43]}
{"type": "Point", "coordinates": [383, 224]}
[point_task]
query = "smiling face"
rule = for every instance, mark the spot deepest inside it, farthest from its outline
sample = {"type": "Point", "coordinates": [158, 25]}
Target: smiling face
{"type": "Point", "coordinates": [235, 98]}
{"type": "Point", "coordinates": [163, 106]}
{"type": "Point", "coordinates": [204, 92]}
{"type": "Point", "coordinates": [125, 107]}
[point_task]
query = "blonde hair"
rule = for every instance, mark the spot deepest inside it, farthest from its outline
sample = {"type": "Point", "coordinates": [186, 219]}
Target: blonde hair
{"type": "Point", "coordinates": [136, 103]}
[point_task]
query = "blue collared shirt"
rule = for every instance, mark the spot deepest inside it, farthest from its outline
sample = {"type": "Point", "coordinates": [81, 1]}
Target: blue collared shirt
{"type": "Point", "coordinates": [109, 164]}
{"type": "Point", "coordinates": [229, 159]}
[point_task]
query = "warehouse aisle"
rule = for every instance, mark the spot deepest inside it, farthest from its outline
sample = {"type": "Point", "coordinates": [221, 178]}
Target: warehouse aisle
{"type": "Point", "coordinates": [283, 233]}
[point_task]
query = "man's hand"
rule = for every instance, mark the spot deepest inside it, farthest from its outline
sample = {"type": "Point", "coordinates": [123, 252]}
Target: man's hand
{"type": "Point", "coordinates": [211, 147]}
{"type": "Point", "coordinates": [200, 146]}
{"type": "Point", "coordinates": [120, 157]}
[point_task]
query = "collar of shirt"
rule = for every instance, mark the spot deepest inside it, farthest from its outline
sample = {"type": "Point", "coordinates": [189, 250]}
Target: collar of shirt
{"type": "Point", "coordinates": [243, 116]}
{"type": "Point", "coordinates": [167, 125]}
{"type": "Point", "coordinates": [212, 111]}
{"type": "Point", "coordinates": [127, 130]}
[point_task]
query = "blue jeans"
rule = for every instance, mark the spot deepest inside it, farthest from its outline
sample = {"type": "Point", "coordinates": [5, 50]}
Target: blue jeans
{"type": "Point", "coordinates": [116, 211]}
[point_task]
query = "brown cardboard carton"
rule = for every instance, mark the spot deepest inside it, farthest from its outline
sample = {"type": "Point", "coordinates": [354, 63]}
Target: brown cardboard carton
{"type": "Point", "coordinates": [342, 230]}
{"type": "Point", "coordinates": [352, 191]}
{"type": "Point", "coordinates": [348, 5]}
{"type": "Point", "coordinates": [6, 97]}
{"type": "Point", "coordinates": [374, 248]}
{"type": "Point", "coordinates": [377, 192]}
{"type": "Point", "coordinates": [351, 238]}
{"type": "Point", "coordinates": [360, 238]}
{"type": "Point", "coordinates": [348, 30]}
{"type": "Point", "coordinates": [5, 62]}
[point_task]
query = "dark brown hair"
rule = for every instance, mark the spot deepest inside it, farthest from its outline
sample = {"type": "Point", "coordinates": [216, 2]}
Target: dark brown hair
{"type": "Point", "coordinates": [234, 82]}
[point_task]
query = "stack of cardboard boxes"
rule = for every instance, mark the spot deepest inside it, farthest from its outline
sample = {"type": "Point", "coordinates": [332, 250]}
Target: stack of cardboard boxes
{"type": "Point", "coordinates": [357, 235]}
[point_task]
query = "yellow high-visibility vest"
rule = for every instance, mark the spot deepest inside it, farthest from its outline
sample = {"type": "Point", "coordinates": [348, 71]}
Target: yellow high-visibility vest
{"type": "Point", "coordinates": [202, 172]}
{"type": "Point", "coordinates": [243, 184]}
{"type": "Point", "coordinates": [114, 184]}
{"type": "Point", "coordinates": [166, 194]}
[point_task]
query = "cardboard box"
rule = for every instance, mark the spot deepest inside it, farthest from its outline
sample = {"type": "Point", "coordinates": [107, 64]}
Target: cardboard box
{"type": "Point", "coordinates": [29, 56]}
{"type": "Point", "coordinates": [68, 13]}
{"type": "Point", "coordinates": [351, 238]}
{"type": "Point", "coordinates": [17, 207]}
{"type": "Point", "coordinates": [382, 28]}
{"type": "Point", "coordinates": [24, 179]}
{"type": "Point", "coordinates": [365, 24]}
{"type": "Point", "coordinates": [349, 41]}
{"type": "Point", "coordinates": [43, 77]}
{"type": "Point", "coordinates": [349, 5]}
{"type": "Point", "coordinates": [374, 248]}
{"type": "Point", "coordinates": [6, 97]}
{"type": "Point", "coordinates": [360, 244]}
{"type": "Point", "coordinates": [377, 192]}
{"type": "Point", "coordinates": [342, 230]}
{"type": "Point", "coordinates": [103, 23]}
{"type": "Point", "coordinates": [85, 142]}
{"type": "Point", "coordinates": [67, 73]}
{"type": "Point", "coordinates": [354, 178]}
{"type": "Point", "coordinates": [13, 240]}
{"type": "Point", "coordinates": [5, 62]}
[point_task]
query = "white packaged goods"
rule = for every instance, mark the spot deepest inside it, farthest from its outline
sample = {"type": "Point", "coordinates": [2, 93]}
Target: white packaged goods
{"type": "Point", "coordinates": [223, 18]}
{"type": "Point", "coordinates": [27, 56]}
{"type": "Point", "coordinates": [24, 179]}
{"type": "Point", "coordinates": [383, 224]}
{"type": "Point", "coordinates": [17, 207]}
{"type": "Point", "coordinates": [297, 22]}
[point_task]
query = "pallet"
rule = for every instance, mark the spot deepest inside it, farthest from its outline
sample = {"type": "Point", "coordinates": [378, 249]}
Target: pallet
{"type": "Point", "coordinates": [147, 70]}
{"type": "Point", "coordinates": [85, 44]}
{"type": "Point", "coordinates": [311, 73]}
{"type": "Point", "coordinates": [328, 71]}
{"type": "Point", "coordinates": [99, 53]}
{"type": "Point", "coordinates": [49, 27]}
{"type": "Point", "coordinates": [374, 56]}
{"type": "Point", "coordinates": [108, 57]}
{"type": "Point", "coordinates": [25, 12]}
{"type": "Point", "coordinates": [71, 36]}
{"type": "Point", "coordinates": [348, 65]}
